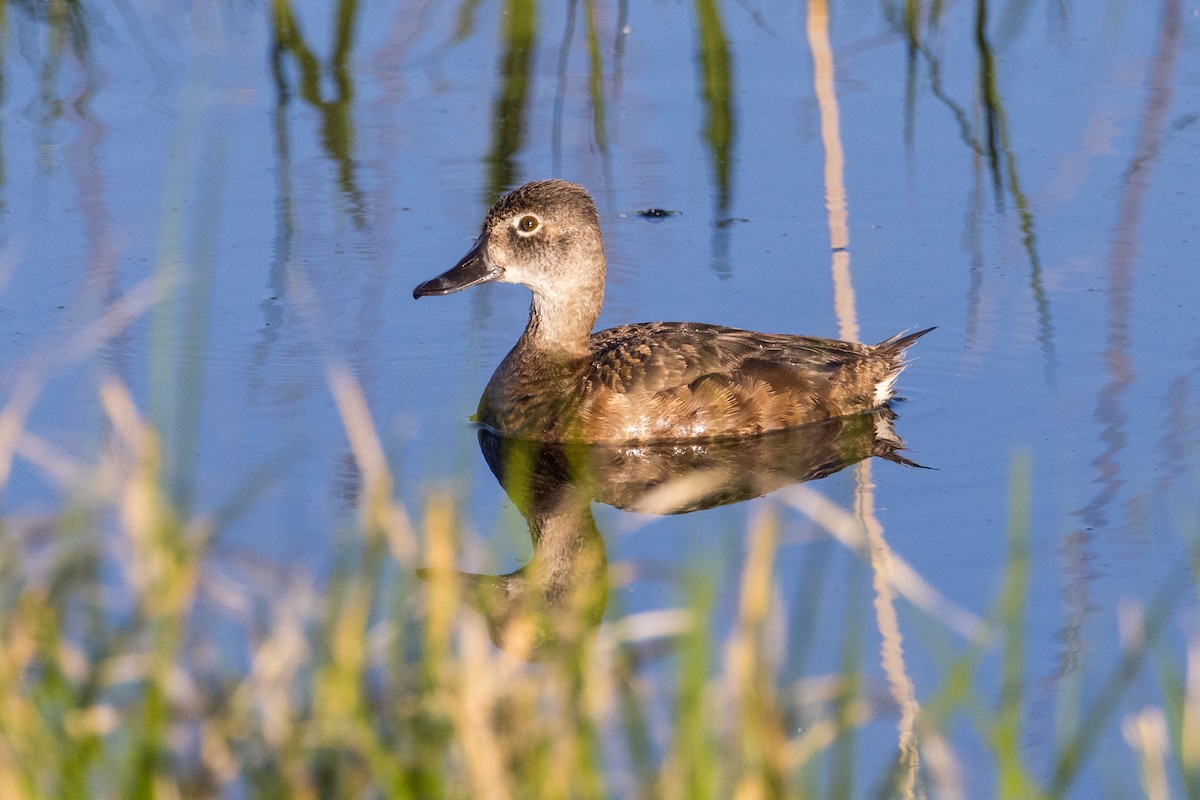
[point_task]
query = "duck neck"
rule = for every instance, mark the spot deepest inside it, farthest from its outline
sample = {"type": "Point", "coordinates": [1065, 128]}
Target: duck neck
{"type": "Point", "coordinates": [560, 326]}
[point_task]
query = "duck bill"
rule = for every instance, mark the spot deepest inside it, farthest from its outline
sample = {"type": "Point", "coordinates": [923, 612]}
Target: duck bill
{"type": "Point", "coordinates": [474, 268]}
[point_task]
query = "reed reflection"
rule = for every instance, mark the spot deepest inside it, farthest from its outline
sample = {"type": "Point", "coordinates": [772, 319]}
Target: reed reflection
{"type": "Point", "coordinates": [508, 111]}
{"type": "Point", "coordinates": [989, 140]}
{"type": "Point", "coordinates": [337, 126]}
{"type": "Point", "coordinates": [559, 597]}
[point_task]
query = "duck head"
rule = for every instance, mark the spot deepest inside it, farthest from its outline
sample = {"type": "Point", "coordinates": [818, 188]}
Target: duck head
{"type": "Point", "coordinates": [544, 235]}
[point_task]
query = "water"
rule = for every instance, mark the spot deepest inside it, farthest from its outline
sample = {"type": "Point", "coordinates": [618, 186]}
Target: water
{"type": "Point", "coordinates": [1033, 195]}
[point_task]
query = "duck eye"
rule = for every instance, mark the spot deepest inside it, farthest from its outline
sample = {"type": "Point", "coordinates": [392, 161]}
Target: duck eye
{"type": "Point", "coordinates": [528, 223]}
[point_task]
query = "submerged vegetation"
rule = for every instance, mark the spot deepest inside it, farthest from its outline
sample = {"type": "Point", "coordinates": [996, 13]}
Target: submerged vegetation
{"type": "Point", "coordinates": [143, 655]}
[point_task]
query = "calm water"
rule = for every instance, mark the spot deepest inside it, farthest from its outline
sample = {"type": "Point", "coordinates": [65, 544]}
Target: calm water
{"type": "Point", "coordinates": [1031, 191]}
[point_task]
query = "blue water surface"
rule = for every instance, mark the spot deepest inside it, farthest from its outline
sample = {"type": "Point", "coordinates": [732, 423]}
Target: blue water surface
{"type": "Point", "coordinates": [1035, 199]}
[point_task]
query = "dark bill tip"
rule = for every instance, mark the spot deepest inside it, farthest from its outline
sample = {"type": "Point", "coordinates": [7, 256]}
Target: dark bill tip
{"type": "Point", "coordinates": [474, 268]}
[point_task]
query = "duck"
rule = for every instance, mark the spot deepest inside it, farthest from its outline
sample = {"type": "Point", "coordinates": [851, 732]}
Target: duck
{"type": "Point", "coordinates": [649, 381]}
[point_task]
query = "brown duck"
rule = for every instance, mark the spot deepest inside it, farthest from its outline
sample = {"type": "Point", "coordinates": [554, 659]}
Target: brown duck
{"type": "Point", "coordinates": [651, 381]}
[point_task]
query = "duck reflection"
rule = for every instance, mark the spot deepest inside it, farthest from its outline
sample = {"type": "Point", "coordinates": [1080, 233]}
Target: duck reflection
{"type": "Point", "coordinates": [560, 595]}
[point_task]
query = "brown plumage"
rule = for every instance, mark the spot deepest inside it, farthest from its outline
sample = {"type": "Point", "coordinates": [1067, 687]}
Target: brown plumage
{"type": "Point", "coordinates": [651, 381]}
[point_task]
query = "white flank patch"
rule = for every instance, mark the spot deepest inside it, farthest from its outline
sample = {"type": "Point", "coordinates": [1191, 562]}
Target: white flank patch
{"type": "Point", "coordinates": [886, 387]}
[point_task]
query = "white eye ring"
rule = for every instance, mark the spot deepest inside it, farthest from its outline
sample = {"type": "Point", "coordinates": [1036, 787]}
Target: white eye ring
{"type": "Point", "coordinates": [527, 224]}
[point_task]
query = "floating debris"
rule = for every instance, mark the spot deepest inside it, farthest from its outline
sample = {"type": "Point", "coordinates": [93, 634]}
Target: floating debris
{"type": "Point", "coordinates": [657, 214]}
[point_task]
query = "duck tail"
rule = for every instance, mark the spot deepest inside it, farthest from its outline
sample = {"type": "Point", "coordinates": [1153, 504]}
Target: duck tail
{"type": "Point", "coordinates": [888, 444]}
{"type": "Point", "coordinates": [896, 345]}
{"type": "Point", "coordinates": [891, 353]}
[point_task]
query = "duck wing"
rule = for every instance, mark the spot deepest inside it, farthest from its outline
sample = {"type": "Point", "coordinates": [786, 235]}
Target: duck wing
{"type": "Point", "coordinates": [657, 356]}
{"type": "Point", "coordinates": [682, 380]}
